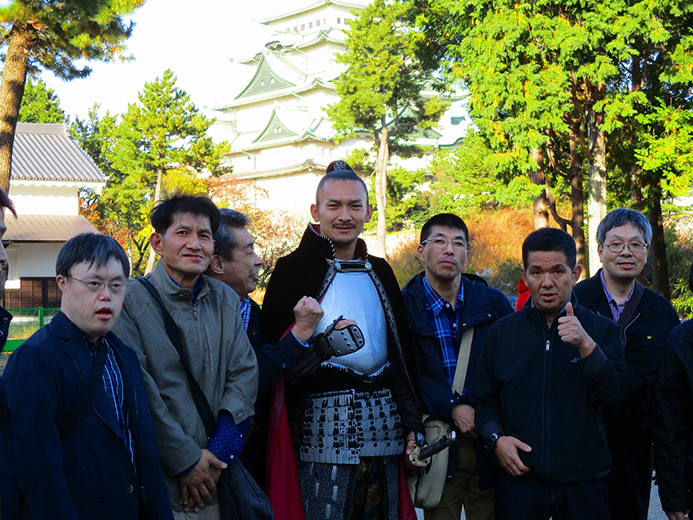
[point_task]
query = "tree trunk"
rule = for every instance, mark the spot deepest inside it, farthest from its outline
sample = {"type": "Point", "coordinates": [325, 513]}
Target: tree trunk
{"type": "Point", "coordinates": [381, 190]}
{"type": "Point", "coordinates": [577, 196]}
{"type": "Point", "coordinates": [596, 205]}
{"type": "Point", "coordinates": [658, 252]}
{"type": "Point", "coordinates": [11, 93]}
{"type": "Point", "coordinates": [157, 198]}
{"type": "Point", "coordinates": [541, 203]}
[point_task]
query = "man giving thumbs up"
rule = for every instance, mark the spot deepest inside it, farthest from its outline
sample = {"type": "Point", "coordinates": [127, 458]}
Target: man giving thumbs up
{"type": "Point", "coordinates": [543, 376]}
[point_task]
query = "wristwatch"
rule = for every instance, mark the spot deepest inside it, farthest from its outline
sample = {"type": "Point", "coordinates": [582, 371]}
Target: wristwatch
{"type": "Point", "coordinates": [492, 440]}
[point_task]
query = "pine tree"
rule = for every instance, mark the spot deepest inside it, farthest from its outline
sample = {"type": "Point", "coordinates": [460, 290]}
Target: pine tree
{"type": "Point", "coordinates": [50, 35]}
{"type": "Point", "coordinates": [40, 104]}
{"type": "Point", "coordinates": [381, 91]}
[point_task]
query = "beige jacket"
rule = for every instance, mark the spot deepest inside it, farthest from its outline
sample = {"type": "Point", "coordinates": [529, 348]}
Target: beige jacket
{"type": "Point", "coordinates": [218, 353]}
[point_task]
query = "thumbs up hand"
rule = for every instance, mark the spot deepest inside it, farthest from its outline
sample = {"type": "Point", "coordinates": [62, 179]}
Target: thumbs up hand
{"type": "Point", "coordinates": [570, 331]}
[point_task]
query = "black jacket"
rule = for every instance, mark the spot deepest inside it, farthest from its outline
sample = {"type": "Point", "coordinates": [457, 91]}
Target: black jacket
{"type": "Point", "coordinates": [532, 386]}
{"type": "Point", "coordinates": [275, 361]}
{"type": "Point", "coordinates": [301, 273]}
{"type": "Point", "coordinates": [673, 421]}
{"type": "Point", "coordinates": [8, 485]}
{"type": "Point", "coordinates": [631, 420]}
{"type": "Point", "coordinates": [482, 307]}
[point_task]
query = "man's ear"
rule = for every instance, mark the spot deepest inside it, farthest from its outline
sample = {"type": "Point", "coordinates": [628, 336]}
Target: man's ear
{"type": "Point", "coordinates": [522, 275]}
{"type": "Point", "coordinates": [61, 281]}
{"type": "Point", "coordinates": [314, 213]}
{"type": "Point", "coordinates": [419, 253]}
{"type": "Point", "coordinates": [217, 265]}
{"type": "Point", "coordinates": [156, 241]}
{"type": "Point", "coordinates": [369, 213]}
{"type": "Point", "coordinates": [577, 271]}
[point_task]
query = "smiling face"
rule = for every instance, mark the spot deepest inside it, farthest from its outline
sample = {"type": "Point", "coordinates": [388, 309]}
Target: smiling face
{"type": "Point", "coordinates": [185, 248]}
{"type": "Point", "coordinates": [240, 272]}
{"type": "Point", "coordinates": [94, 313]}
{"type": "Point", "coordinates": [550, 280]}
{"type": "Point", "coordinates": [446, 264]}
{"type": "Point", "coordinates": [626, 265]}
{"type": "Point", "coordinates": [342, 209]}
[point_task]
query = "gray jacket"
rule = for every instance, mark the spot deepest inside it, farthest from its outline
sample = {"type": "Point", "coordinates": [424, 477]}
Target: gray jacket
{"type": "Point", "coordinates": [218, 353]}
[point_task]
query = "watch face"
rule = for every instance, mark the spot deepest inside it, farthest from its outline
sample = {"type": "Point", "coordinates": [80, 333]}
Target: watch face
{"type": "Point", "coordinates": [491, 441]}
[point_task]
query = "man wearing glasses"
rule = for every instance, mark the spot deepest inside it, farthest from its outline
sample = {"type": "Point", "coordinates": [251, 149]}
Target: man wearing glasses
{"type": "Point", "coordinates": [645, 319]}
{"type": "Point", "coordinates": [83, 436]}
{"type": "Point", "coordinates": [442, 305]}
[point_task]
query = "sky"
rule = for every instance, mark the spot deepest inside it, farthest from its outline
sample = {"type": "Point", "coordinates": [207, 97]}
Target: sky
{"type": "Point", "coordinates": [194, 39]}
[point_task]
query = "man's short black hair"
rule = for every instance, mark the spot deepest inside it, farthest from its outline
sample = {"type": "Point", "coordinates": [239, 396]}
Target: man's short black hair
{"type": "Point", "coordinates": [161, 216]}
{"type": "Point", "coordinates": [5, 202]}
{"type": "Point", "coordinates": [92, 248]}
{"type": "Point", "coordinates": [339, 175]}
{"type": "Point", "coordinates": [620, 217]}
{"type": "Point", "coordinates": [224, 239]}
{"type": "Point", "coordinates": [550, 239]}
{"type": "Point", "coordinates": [448, 220]}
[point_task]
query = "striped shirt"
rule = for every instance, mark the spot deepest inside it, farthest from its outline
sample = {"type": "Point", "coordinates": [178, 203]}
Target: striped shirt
{"type": "Point", "coordinates": [445, 323]}
{"type": "Point", "coordinates": [113, 385]}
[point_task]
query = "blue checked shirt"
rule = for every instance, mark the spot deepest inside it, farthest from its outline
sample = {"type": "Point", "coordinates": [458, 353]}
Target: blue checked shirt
{"type": "Point", "coordinates": [113, 384]}
{"type": "Point", "coordinates": [245, 312]}
{"type": "Point", "coordinates": [445, 323]}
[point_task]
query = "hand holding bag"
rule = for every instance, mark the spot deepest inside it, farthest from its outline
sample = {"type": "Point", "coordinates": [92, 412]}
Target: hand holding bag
{"type": "Point", "coordinates": [426, 485]}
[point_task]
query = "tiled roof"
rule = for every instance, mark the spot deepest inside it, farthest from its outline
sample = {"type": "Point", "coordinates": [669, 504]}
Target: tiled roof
{"type": "Point", "coordinates": [45, 228]}
{"type": "Point", "coordinates": [46, 152]}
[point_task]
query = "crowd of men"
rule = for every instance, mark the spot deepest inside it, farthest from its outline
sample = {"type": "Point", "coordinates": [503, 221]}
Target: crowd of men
{"type": "Point", "coordinates": [177, 396]}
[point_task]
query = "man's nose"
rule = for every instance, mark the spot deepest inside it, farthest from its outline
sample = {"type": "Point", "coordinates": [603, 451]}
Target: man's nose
{"type": "Point", "coordinates": [257, 260]}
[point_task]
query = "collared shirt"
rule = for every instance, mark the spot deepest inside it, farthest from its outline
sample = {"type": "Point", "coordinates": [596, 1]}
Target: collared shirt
{"type": "Point", "coordinates": [113, 385]}
{"type": "Point", "coordinates": [445, 323]}
{"type": "Point", "coordinates": [245, 312]}
{"type": "Point", "coordinates": [195, 291]}
{"type": "Point", "coordinates": [616, 308]}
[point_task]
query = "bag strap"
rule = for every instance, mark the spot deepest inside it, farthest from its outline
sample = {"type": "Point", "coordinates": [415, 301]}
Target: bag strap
{"type": "Point", "coordinates": [173, 332]}
{"type": "Point", "coordinates": [86, 396]}
{"type": "Point", "coordinates": [463, 361]}
{"type": "Point", "coordinates": [629, 309]}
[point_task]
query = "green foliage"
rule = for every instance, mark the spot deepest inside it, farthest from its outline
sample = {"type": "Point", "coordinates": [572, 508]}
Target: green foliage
{"type": "Point", "coordinates": [679, 244]}
{"type": "Point", "coordinates": [64, 34]}
{"type": "Point", "coordinates": [384, 82]}
{"type": "Point", "coordinates": [462, 180]}
{"type": "Point", "coordinates": [546, 75]}
{"type": "Point", "coordinates": [163, 134]}
{"type": "Point", "coordinates": [40, 104]}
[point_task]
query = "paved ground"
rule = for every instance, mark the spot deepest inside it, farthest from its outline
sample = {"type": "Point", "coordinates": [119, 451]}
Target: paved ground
{"type": "Point", "coordinates": [656, 512]}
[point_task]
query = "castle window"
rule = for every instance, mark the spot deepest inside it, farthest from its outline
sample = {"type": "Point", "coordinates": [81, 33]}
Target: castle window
{"type": "Point", "coordinates": [295, 28]}
{"type": "Point", "coordinates": [339, 20]}
{"type": "Point", "coordinates": [317, 23]}
{"type": "Point", "coordinates": [303, 27]}
{"type": "Point", "coordinates": [310, 25]}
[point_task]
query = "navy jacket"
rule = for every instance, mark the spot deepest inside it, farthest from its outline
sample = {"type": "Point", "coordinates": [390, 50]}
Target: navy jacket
{"type": "Point", "coordinates": [482, 307]}
{"type": "Point", "coordinates": [630, 421]}
{"type": "Point", "coordinates": [89, 476]}
{"type": "Point", "coordinates": [275, 360]}
{"type": "Point", "coordinates": [533, 386]}
{"type": "Point", "coordinates": [673, 421]}
{"type": "Point", "coordinates": [8, 487]}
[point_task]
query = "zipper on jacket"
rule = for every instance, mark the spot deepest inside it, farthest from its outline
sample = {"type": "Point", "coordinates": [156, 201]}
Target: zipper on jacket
{"type": "Point", "coordinates": [545, 408]}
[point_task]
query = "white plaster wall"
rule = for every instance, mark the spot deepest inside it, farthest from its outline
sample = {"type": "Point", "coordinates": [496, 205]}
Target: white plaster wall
{"type": "Point", "coordinates": [31, 260]}
{"type": "Point", "coordinates": [45, 200]}
{"type": "Point", "coordinates": [293, 192]}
